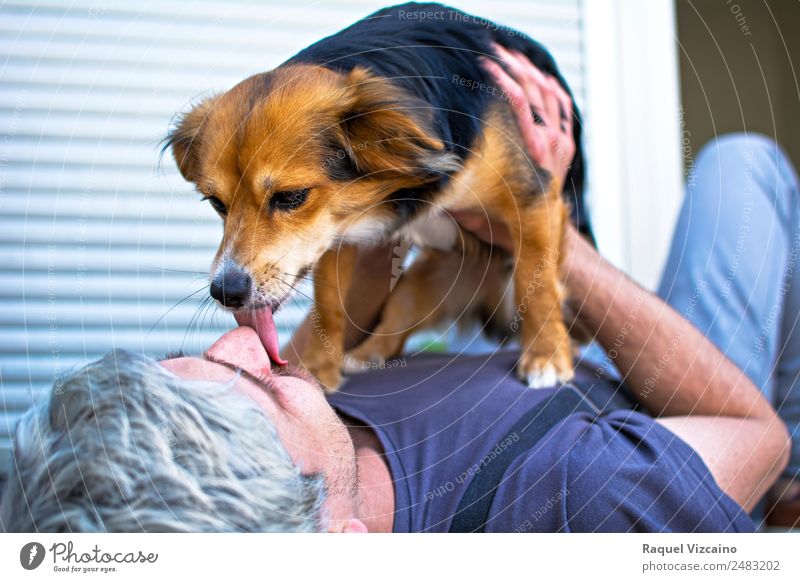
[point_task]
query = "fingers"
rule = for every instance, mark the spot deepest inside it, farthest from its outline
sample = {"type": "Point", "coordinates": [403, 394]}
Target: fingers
{"type": "Point", "coordinates": [530, 84]}
{"type": "Point", "coordinates": [540, 88]}
{"type": "Point", "coordinates": [566, 106]}
{"type": "Point", "coordinates": [542, 107]}
{"type": "Point", "coordinates": [518, 100]}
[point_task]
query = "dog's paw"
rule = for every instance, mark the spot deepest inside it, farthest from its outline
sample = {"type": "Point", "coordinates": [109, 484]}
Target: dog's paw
{"type": "Point", "coordinates": [541, 372]}
{"type": "Point", "coordinates": [363, 358]}
{"type": "Point", "coordinates": [544, 378]}
{"type": "Point", "coordinates": [330, 378]}
{"type": "Point", "coordinates": [328, 374]}
{"type": "Point", "coordinates": [355, 365]}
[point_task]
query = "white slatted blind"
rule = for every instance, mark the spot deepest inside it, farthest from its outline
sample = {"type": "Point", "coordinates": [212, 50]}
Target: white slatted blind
{"type": "Point", "coordinates": [97, 246]}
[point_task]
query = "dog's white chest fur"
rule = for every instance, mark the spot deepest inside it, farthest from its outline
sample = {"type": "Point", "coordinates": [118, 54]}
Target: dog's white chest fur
{"type": "Point", "coordinates": [435, 230]}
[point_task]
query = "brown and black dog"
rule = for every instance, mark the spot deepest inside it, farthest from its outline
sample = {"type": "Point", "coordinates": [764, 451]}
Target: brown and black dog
{"type": "Point", "coordinates": [376, 132]}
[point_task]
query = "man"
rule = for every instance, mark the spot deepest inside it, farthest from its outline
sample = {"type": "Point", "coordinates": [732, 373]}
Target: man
{"type": "Point", "coordinates": [226, 442]}
{"type": "Point", "coordinates": [730, 272]}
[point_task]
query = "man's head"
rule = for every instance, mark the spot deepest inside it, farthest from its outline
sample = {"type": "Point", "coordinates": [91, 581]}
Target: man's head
{"type": "Point", "coordinates": [186, 444]}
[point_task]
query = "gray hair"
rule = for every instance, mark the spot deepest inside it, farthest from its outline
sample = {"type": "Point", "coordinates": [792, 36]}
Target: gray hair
{"type": "Point", "coordinates": [124, 445]}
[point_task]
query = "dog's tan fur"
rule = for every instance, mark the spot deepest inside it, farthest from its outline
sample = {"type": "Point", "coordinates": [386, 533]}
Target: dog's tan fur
{"type": "Point", "coordinates": [272, 133]}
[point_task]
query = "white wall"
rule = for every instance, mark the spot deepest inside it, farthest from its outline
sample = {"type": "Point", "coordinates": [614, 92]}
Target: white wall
{"type": "Point", "coordinates": [633, 138]}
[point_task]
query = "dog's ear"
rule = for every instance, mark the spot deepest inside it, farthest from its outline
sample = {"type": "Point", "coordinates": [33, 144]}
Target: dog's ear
{"type": "Point", "coordinates": [389, 132]}
{"type": "Point", "coordinates": [184, 138]}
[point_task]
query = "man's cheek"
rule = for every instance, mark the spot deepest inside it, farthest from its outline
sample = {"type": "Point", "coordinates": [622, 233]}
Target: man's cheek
{"type": "Point", "coordinates": [257, 395]}
{"type": "Point", "coordinates": [303, 450]}
{"type": "Point", "coordinates": [300, 398]}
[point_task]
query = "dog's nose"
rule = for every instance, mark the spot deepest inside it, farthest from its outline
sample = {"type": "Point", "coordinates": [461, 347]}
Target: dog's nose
{"type": "Point", "coordinates": [232, 287]}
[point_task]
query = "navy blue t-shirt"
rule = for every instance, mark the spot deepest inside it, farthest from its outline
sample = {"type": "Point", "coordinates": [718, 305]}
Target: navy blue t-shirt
{"type": "Point", "coordinates": [442, 419]}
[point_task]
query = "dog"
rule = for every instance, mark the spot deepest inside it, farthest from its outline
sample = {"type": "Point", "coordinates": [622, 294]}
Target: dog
{"type": "Point", "coordinates": [375, 132]}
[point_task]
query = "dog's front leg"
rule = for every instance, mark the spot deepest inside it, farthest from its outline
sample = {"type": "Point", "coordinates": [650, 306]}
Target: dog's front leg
{"type": "Point", "coordinates": [546, 356]}
{"type": "Point", "coordinates": [324, 353]}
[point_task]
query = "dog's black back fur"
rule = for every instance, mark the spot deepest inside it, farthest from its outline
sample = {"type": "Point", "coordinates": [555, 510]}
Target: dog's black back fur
{"type": "Point", "coordinates": [427, 56]}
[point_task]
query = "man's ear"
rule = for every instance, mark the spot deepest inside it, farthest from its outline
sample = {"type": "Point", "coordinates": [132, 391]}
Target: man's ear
{"type": "Point", "coordinates": [184, 138]}
{"type": "Point", "coordinates": [387, 131]}
{"type": "Point", "coordinates": [351, 525]}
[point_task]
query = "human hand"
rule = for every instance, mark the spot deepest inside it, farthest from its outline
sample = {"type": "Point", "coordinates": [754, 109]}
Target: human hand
{"type": "Point", "coordinates": [543, 111]}
{"type": "Point", "coordinates": [542, 108]}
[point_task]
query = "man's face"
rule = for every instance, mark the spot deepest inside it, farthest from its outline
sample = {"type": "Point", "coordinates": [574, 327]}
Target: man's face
{"type": "Point", "coordinates": [313, 435]}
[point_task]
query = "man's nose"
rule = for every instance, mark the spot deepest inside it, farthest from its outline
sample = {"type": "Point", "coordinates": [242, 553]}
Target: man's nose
{"type": "Point", "coordinates": [231, 287]}
{"type": "Point", "coordinates": [241, 347]}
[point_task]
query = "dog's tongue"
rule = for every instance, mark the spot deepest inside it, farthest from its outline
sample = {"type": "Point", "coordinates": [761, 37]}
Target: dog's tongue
{"type": "Point", "coordinates": [261, 321]}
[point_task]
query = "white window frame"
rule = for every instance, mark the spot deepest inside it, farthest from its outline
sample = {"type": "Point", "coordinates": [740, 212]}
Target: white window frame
{"type": "Point", "coordinates": [633, 140]}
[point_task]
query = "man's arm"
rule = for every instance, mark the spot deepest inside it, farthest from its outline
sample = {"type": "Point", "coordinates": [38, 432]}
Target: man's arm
{"type": "Point", "coordinates": [678, 375]}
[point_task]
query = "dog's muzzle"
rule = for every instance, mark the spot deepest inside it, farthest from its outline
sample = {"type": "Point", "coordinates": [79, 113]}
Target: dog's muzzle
{"type": "Point", "coordinates": [232, 286]}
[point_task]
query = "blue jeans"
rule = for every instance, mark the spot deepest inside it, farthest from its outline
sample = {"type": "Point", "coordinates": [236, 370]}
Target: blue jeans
{"type": "Point", "coordinates": [730, 269]}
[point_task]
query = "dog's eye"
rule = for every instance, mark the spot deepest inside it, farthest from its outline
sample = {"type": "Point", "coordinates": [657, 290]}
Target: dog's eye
{"type": "Point", "coordinates": [288, 200]}
{"type": "Point", "coordinates": [216, 204]}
